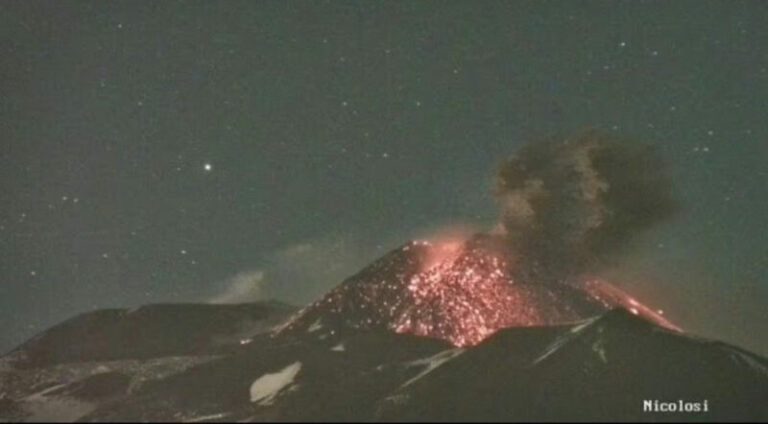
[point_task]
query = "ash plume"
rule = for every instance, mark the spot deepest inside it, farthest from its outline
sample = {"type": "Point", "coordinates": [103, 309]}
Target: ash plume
{"type": "Point", "coordinates": [569, 204]}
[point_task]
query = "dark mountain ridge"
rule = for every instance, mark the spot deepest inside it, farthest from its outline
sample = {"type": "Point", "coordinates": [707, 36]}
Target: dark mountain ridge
{"type": "Point", "coordinates": [575, 352]}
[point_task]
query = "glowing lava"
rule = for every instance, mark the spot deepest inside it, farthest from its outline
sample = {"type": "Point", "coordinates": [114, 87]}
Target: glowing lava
{"type": "Point", "coordinates": [458, 292]}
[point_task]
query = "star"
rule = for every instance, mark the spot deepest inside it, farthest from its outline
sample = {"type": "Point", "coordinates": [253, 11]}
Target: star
{"type": "Point", "coordinates": [208, 167]}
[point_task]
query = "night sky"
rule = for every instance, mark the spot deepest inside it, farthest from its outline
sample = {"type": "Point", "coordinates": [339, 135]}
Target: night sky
{"type": "Point", "coordinates": [233, 151]}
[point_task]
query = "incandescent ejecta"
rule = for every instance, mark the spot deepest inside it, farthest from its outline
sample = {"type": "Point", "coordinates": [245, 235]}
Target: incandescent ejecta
{"type": "Point", "coordinates": [567, 206]}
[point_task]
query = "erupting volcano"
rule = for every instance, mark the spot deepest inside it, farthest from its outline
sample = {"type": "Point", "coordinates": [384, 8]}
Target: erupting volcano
{"type": "Point", "coordinates": [458, 292]}
{"type": "Point", "coordinates": [567, 205]}
{"type": "Point", "coordinates": [470, 328]}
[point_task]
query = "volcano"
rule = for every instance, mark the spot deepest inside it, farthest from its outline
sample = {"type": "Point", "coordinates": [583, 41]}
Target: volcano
{"type": "Point", "coordinates": [460, 292]}
{"type": "Point", "coordinates": [432, 331]}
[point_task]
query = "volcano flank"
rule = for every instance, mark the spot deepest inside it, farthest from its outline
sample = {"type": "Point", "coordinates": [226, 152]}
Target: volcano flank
{"type": "Point", "coordinates": [566, 206]}
{"type": "Point", "coordinates": [460, 292]}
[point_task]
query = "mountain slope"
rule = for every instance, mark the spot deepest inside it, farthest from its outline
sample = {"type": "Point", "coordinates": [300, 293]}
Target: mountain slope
{"type": "Point", "coordinates": [603, 368]}
{"type": "Point", "coordinates": [142, 333]}
{"type": "Point", "coordinates": [429, 332]}
{"type": "Point", "coordinates": [461, 292]}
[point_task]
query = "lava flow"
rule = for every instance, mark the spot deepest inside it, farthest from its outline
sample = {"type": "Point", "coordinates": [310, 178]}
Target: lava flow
{"type": "Point", "coordinates": [458, 292]}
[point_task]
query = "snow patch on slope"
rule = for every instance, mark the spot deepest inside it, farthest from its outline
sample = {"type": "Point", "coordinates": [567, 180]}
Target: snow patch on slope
{"type": "Point", "coordinates": [265, 388]}
{"type": "Point", "coordinates": [432, 363]}
{"type": "Point", "coordinates": [562, 340]}
{"type": "Point", "coordinates": [317, 325]}
{"type": "Point", "coordinates": [45, 408]}
{"type": "Point", "coordinates": [206, 418]}
{"type": "Point", "coordinates": [599, 348]}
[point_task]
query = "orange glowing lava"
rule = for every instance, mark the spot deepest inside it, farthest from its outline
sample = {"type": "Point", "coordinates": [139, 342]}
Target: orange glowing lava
{"type": "Point", "coordinates": [460, 292]}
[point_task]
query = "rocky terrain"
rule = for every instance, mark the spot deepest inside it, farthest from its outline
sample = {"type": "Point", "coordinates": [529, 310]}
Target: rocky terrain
{"type": "Point", "coordinates": [412, 337]}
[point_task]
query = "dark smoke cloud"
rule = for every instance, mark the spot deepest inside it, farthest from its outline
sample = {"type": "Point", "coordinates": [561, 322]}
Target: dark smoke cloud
{"type": "Point", "coordinates": [569, 204]}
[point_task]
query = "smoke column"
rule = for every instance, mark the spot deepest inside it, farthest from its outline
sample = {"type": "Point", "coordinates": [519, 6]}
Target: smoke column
{"type": "Point", "coordinates": [569, 204]}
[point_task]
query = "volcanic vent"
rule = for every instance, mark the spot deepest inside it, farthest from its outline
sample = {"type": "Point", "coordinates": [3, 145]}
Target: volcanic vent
{"type": "Point", "coordinates": [567, 206]}
{"type": "Point", "coordinates": [460, 292]}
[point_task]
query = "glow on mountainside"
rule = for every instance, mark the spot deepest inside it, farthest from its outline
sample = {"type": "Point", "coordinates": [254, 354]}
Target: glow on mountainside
{"type": "Point", "coordinates": [461, 292]}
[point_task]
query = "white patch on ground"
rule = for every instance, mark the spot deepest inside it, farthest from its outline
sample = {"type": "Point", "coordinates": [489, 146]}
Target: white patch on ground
{"type": "Point", "coordinates": [598, 348]}
{"type": "Point", "coordinates": [554, 347]}
{"type": "Point", "coordinates": [564, 339]}
{"type": "Point", "coordinates": [42, 408]}
{"type": "Point", "coordinates": [206, 418]}
{"type": "Point", "coordinates": [338, 348]}
{"type": "Point", "coordinates": [583, 324]}
{"type": "Point", "coordinates": [317, 325]}
{"type": "Point", "coordinates": [265, 388]}
{"type": "Point", "coordinates": [432, 363]}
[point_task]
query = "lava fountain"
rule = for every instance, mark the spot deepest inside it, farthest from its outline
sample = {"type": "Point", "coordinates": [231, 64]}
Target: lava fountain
{"type": "Point", "coordinates": [567, 206]}
{"type": "Point", "coordinates": [458, 292]}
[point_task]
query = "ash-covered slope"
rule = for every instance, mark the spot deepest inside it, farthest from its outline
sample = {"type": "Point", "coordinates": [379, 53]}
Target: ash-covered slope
{"type": "Point", "coordinates": [602, 369]}
{"type": "Point", "coordinates": [461, 292]}
{"type": "Point", "coordinates": [70, 369]}
{"type": "Point", "coordinates": [446, 332]}
{"type": "Point", "coordinates": [150, 331]}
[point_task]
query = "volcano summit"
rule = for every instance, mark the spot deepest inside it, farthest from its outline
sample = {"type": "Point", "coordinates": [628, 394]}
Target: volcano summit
{"type": "Point", "coordinates": [460, 292]}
